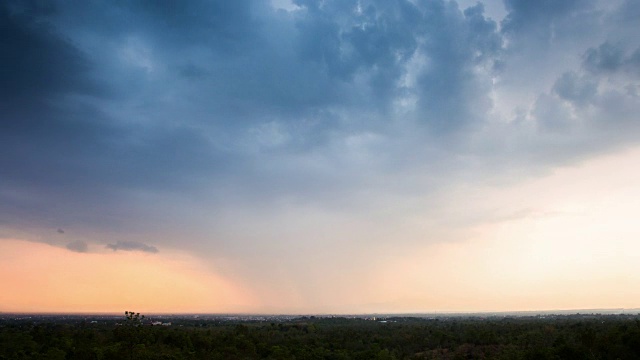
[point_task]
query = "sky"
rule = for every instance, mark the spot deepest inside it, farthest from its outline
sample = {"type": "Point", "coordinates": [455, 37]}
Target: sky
{"type": "Point", "coordinates": [319, 156]}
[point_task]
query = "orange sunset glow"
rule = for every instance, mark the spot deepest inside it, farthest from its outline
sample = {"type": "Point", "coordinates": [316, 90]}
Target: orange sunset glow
{"type": "Point", "coordinates": [58, 280]}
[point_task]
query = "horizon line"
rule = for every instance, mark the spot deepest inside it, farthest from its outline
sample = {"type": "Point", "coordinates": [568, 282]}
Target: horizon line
{"type": "Point", "coordinates": [326, 314]}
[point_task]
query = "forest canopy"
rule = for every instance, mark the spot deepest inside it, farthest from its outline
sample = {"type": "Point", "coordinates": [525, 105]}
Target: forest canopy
{"type": "Point", "coordinates": [135, 337]}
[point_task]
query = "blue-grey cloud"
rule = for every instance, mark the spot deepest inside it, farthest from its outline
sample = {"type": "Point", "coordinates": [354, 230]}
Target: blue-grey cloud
{"type": "Point", "coordinates": [78, 246]}
{"type": "Point", "coordinates": [575, 88]}
{"type": "Point", "coordinates": [545, 19]}
{"type": "Point", "coordinates": [610, 58]}
{"type": "Point", "coordinates": [121, 115]}
{"type": "Point", "coordinates": [132, 246]}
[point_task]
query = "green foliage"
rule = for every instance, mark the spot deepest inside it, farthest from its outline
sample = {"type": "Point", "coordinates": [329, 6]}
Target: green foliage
{"type": "Point", "coordinates": [133, 318]}
{"type": "Point", "coordinates": [598, 337]}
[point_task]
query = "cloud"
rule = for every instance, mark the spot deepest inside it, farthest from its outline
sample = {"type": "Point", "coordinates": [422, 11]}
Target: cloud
{"type": "Point", "coordinates": [78, 246]}
{"type": "Point", "coordinates": [575, 88]}
{"type": "Point", "coordinates": [132, 246]}
{"type": "Point", "coordinates": [99, 121]}
{"type": "Point", "coordinates": [606, 57]}
{"type": "Point", "coordinates": [540, 17]}
{"type": "Point", "coordinates": [58, 67]}
{"type": "Point", "coordinates": [609, 58]}
{"type": "Point", "coordinates": [582, 99]}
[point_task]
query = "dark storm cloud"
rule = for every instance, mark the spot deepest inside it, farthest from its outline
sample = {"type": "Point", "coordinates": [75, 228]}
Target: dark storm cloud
{"type": "Point", "coordinates": [40, 134]}
{"type": "Point", "coordinates": [381, 38]}
{"type": "Point", "coordinates": [451, 93]}
{"type": "Point", "coordinates": [57, 146]}
{"type": "Point", "coordinates": [36, 61]}
{"type": "Point", "coordinates": [132, 246]}
{"type": "Point", "coordinates": [110, 111]}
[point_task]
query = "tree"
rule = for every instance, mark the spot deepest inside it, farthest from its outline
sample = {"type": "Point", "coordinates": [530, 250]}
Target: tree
{"type": "Point", "coordinates": [133, 336]}
{"type": "Point", "coordinates": [133, 318]}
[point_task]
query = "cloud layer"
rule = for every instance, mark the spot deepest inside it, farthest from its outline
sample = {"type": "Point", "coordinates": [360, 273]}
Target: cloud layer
{"type": "Point", "coordinates": [131, 246]}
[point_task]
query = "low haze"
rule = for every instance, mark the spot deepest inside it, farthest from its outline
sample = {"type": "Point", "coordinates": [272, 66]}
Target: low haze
{"type": "Point", "coordinates": [319, 156]}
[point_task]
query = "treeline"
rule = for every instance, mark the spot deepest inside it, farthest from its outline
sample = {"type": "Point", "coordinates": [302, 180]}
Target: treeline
{"type": "Point", "coordinates": [567, 337]}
